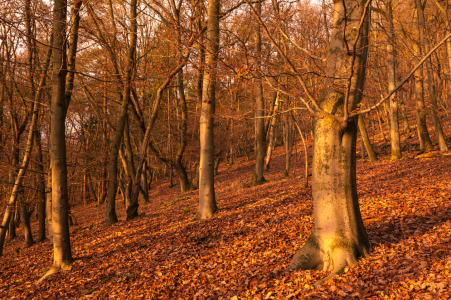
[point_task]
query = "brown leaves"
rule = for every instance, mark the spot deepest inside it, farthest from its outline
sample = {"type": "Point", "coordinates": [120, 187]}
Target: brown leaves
{"type": "Point", "coordinates": [243, 252]}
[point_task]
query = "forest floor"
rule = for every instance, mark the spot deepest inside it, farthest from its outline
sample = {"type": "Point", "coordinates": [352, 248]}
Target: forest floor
{"type": "Point", "coordinates": [244, 250]}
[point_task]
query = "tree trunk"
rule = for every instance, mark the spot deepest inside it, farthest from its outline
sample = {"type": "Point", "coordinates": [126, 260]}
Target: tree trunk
{"type": "Point", "coordinates": [25, 218]}
{"type": "Point", "coordinates": [207, 201]}
{"type": "Point", "coordinates": [339, 237]}
{"type": "Point", "coordinates": [391, 73]}
{"type": "Point", "coordinates": [419, 100]}
{"type": "Point", "coordinates": [217, 161]}
{"type": "Point", "coordinates": [379, 118]}
{"type": "Point", "coordinates": [287, 141]}
{"type": "Point", "coordinates": [7, 218]}
{"type": "Point", "coordinates": [58, 108]}
{"type": "Point", "coordinates": [17, 188]}
{"type": "Point", "coordinates": [40, 184]}
{"type": "Point", "coordinates": [430, 79]}
{"type": "Point", "coordinates": [305, 150]}
{"type": "Point", "coordinates": [366, 141]}
{"type": "Point", "coordinates": [144, 185]}
{"type": "Point", "coordinates": [48, 206]}
{"type": "Point", "coordinates": [272, 133]}
{"type": "Point", "coordinates": [405, 120]}
{"type": "Point", "coordinates": [260, 134]}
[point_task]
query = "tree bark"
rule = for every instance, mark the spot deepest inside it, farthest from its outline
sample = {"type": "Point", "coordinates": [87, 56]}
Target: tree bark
{"type": "Point", "coordinates": [287, 142]}
{"type": "Point", "coordinates": [419, 101]}
{"type": "Point", "coordinates": [25, 219]}
{"type": "Point", "coordinates": [40, 184]}
{"type": "Point", "coordinates": [366, 141]}
{"type": "Point", "coordinates": [339, 237]}
{"type": "Point", "coordinates": [272, 133]}
{"type": "Point", "coordinates": [48, 206]}
{"type": "Point", "coordinates": [207, 200]}
{"type": "Point", "coordinates": [60, 198]}
{"type": "Point", "coordinates": [260, 134]}
{"type": "Point", "coordinates": [391, 72]}
{"type": "Point", "coordinates": [7, 217]}
{"type": "Point", "coordinates": [405, 121]}
{"type": "Point", "coordinates": [430, 78]}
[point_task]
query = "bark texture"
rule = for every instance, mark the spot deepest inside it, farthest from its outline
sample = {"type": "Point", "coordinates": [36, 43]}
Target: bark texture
{"type": "Point", "coordinates": [62, 255]}
{"type": "Point", "coordinates": [391, 72]}
{"type": "Point", "coordinates": [423, 132]}
{"type": "Point", "coordinates": [430, 78]}
{"type": "Point", "coordinates": [339, 237]}
{"type": "Point", "coordinates": [207, 200]}
{"type": "Point", "coordinates": [260, 136]}
{"type": "Point", "coordinates": [366, 141]}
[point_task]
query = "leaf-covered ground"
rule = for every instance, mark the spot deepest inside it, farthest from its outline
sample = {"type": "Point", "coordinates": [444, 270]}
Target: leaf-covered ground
{"type": "Point", "coordinates": [243, 252]}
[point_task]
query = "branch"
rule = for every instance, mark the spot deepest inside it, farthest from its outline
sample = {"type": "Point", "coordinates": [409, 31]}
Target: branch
{"type": "Point", "coordinates": [300, 48]}
{"type": "Point", "coordinates": [365, 11]}
{"type": "Point", "coordinates": [405, 79]}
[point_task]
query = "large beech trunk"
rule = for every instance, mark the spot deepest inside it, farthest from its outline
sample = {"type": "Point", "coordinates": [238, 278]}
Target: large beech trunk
{"type": "Point", "coordinates": [207, 200]}
{"type": "Point", "coordinates": [58, 162]}
{"type": "Point", "coordinates": [339, 237]}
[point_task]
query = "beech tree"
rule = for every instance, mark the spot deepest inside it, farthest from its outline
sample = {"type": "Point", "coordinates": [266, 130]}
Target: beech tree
{"type": "Point", "coordinates": [338, 236]}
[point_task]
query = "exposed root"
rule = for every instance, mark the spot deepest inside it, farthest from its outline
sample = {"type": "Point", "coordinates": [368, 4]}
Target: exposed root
{"type": "Point", "coordinates": [54, 270]}
{"type": "Point", "coordinates": [313, 256]}
{"type": "Point", "coordinates": [331, 275]}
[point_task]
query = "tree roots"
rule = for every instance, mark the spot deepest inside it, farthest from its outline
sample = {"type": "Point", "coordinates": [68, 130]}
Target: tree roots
{"type": "Point", "coordinates": [331, 259]}
{"type": "Point", "coordinates": [54, 270]}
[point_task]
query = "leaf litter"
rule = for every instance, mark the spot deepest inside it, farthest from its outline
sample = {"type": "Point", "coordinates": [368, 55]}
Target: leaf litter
{"type": "Point", "coordinates": [244, 250]}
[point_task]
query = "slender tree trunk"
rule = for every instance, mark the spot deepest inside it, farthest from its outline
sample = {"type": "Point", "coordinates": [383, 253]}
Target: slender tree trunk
{"type": "Point", "coordinates": [217, 161]}
{"type": "Point", "coordinates": [132, 209]}
{"type": "Point", "coordinates": [287, 141]}
{"type": "Point", "coordinates": [110, 212]}
{"type": "Point", "coordinates": [405, 120]}
{"type": "Point", "coordinates": [379, 118]}
{"type": "Point", "coordinates": [17, 188]}
{"type": "Point", "coordinates": [144, 185]}
{"type": "Point", "coordinates": [7, 217]}
{"type": "Point", "coordinates": [40, 184]}
{"type": "Point", "coordinates": [421, 112]}
{"type": "Point", "coordinates": [430, 79]}
{"type": "Point", "coordinates": [60, 197]}
{"type": "Point", "coordinates": [207, 201]}
{"type": "Point", "coordinates": [25, 219]}
{"type": "Point", "coordinates": [272, 133]}
{"type": "Point", "coordinates": [48, 206]}
{"type": "Point", "coordinates": [391, 72]}
{"type": "Point", "coordinates": [305, 151]}
{"type": "Point", "coordinates": [260, 134]}
{"type": "Point", "coordinates": [338, 236]}
{"type": "Point", "coordinates": [104, 146]}
{"type": "Point", "coordinates": [366, 141]}
{"type": "Point", "coordinates": [183, 176]}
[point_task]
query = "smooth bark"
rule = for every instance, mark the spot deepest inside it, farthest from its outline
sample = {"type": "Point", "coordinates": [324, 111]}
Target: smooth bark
{"type": "Point", "coordinates": [62, 254]}
{"type": "Point", "coordinates": [430, 78]}
{"type": "Point", "coordinates": [423, 132]}
{"type": "Point", "coordinates": [260, 134]}
{"type": "Point", "coordinates": [338, 237]}
{"type": "Point", "coordinates": [365, 139]}
{"type": "Point", "coordinates": [391, 73]}
{"type": "Point", "coordinates": [207, 200]}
